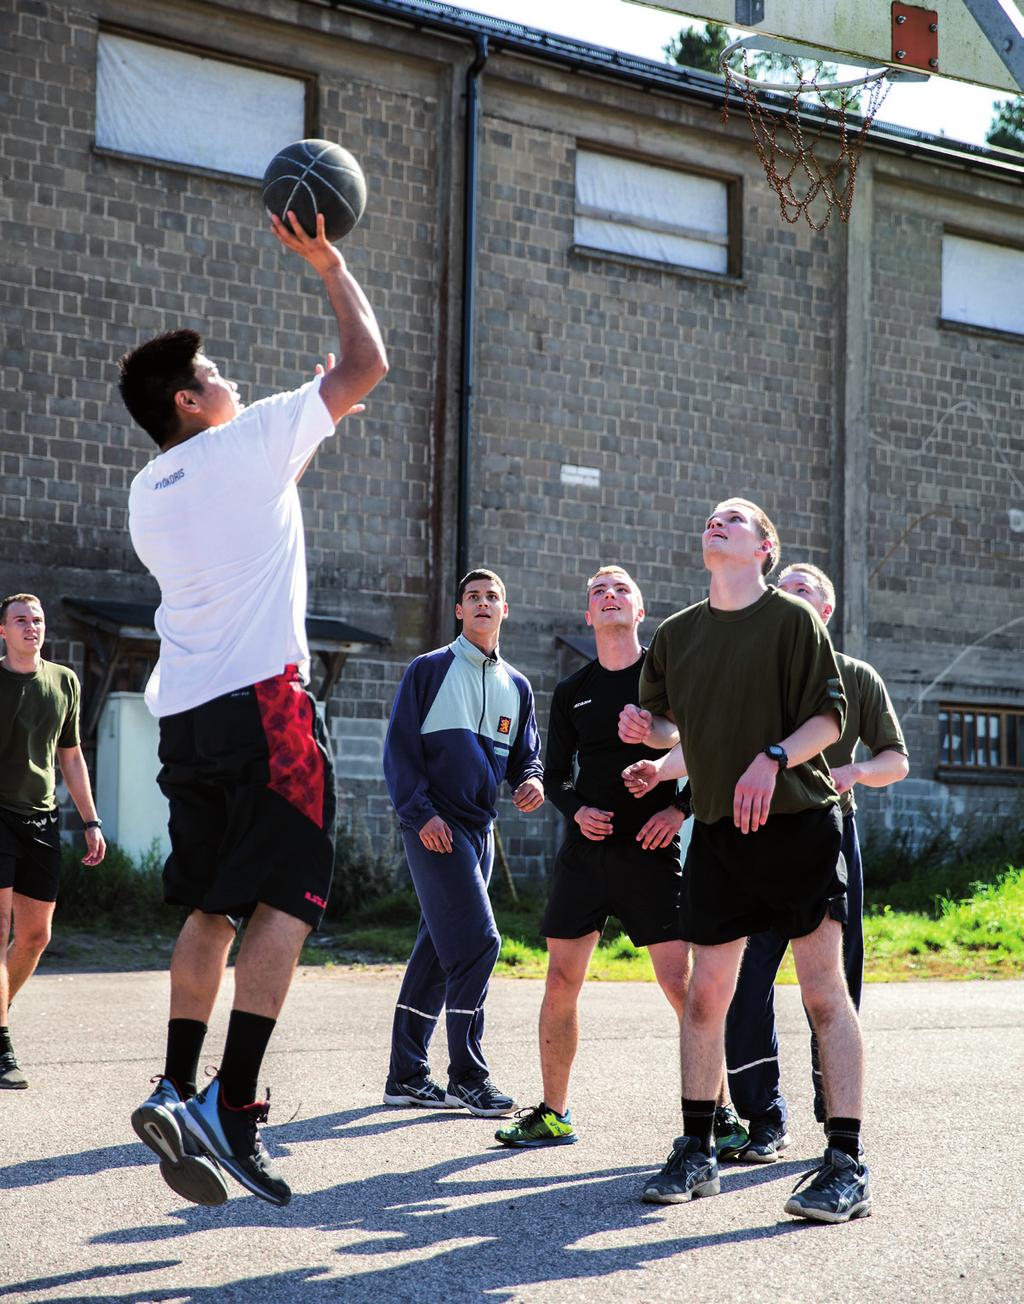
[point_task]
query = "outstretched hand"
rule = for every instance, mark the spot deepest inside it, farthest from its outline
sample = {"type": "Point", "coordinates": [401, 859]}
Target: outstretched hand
{"type": "Point", "coordinates": [641, 777]}
{"type": "Point", "coordinates": [317, 250]}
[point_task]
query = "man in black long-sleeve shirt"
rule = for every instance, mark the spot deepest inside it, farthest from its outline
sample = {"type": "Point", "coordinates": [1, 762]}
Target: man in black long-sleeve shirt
{"type": "Point", "coordinates": [620, 855]}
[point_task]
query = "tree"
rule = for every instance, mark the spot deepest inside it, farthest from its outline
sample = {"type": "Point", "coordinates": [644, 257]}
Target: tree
{"type": "Point", "coordinates": [1006, 130]}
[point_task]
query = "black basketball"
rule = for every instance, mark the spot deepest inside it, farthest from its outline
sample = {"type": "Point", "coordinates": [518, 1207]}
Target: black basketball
{"type": "Point", "coordinates": [316, 176]}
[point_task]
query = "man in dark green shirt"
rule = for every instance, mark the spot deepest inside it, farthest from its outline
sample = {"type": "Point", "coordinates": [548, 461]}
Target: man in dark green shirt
{"type": "Point", "coordinates": [38, 729]}
{"type": "Point", "coordinates": [751, 1045]}
{"type": "Point", "coordinates": [749, 681]}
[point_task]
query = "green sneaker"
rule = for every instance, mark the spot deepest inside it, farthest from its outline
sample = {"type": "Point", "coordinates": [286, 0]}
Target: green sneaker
{"type": "Point", "coordinates": [540, 1126]}
{"type": "Point", "coordinates": [730, 1135]}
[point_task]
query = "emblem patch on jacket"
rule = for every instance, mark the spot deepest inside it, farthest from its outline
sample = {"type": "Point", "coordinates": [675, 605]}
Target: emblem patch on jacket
{"type": "Point", "coordinates": [505, 724]}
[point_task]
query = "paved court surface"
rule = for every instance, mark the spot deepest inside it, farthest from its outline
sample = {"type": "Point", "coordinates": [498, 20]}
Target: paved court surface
{"type": "Point", "coordinates": [404, 1205]}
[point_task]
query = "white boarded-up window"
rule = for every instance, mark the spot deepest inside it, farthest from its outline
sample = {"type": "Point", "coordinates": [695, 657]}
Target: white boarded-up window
{"type": "Point", "coordinates": [169, 104]}
{"type": "Point", "coordinates": [627, 207]}
{"type": "Point", "coordinates": [981, 284]}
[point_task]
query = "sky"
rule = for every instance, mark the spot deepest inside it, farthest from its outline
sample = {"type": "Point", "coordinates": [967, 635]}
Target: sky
{"type": "Point", "coordinates": [939, 105]}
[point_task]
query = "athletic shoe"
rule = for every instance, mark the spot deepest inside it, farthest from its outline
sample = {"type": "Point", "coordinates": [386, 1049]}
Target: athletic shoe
{"type": "Point", "coordinates": [767, 1141]}
{"type": "Point", "coordinates": [232, 1137]}
{"type": "Point", "coordinates": [424, 1092]}
{"type": "Point", "coordinates": [730, 1134]}
{"type": "Point", "coordinates": [688, 1174]}
{"type": "Point", "coordinates": [11, 1077]}
{"type": "Point", "coordinates": [540, 1126]}
{"type": "Point", "coordinates": [838, 1191]}
{"type": "Point", "coordinates": [183, 1167]}
{"type": "Point", "coordinates": [480, 1098]}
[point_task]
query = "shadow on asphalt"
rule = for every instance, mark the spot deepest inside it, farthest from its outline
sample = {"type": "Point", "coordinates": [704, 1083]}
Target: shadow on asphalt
{"type": "Point", "coordinates": [485, 1222]}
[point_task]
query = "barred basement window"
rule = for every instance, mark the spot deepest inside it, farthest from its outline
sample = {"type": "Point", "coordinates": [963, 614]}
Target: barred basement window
{"type": "Point", "coordinates": [639, 210]}
{"type": "Point", "coordinates": [195, 107]}
{"type": "Point", "coordinates": [981, 739]}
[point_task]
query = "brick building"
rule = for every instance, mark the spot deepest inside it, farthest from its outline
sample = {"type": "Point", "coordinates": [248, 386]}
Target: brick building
{"type": "Point", "coordinates": [647, 336]}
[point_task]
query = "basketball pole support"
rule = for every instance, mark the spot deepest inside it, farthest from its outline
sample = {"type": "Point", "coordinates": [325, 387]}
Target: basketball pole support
{"type": "Point", "coordinates": [1002, 35]}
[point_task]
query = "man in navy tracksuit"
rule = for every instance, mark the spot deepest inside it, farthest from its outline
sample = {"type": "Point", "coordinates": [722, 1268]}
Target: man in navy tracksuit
{"type": "Point", "coordinates": [463, 721]}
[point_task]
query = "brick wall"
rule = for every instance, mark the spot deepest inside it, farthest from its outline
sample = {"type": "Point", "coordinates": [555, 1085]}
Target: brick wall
{"type": "Point", "coordinates": [678, 388]}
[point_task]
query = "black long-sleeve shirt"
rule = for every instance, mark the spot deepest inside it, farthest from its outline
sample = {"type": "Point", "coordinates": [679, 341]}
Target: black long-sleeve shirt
{"type": "Point", "coordinates": [585, 756]}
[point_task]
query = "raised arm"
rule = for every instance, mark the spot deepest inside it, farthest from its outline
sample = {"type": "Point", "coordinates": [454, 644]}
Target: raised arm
{"type": "Point", "coordinates": [362, 360]}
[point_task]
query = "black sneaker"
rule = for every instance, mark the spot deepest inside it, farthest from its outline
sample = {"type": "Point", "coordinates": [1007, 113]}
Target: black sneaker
{"type": "Point", "coordinates": [838, 1190]}
{"type": "Point", "coordinates": [183, 1166]}
{"type": "Point", "coordinates": [424, 1092]}
{"type": "Point", "coordinates": [688, 1174]}
{"type": "Point", "coordinates": [767, 1141]}
{"type": "Point", "coordinates": [480, 1098]}
{"type": "Point", "coordinates": [730, 1135]}
{"type": "Point", "coordinates": [232, 1137]}
{"type": "Point", "coordinates": [11, 1077]}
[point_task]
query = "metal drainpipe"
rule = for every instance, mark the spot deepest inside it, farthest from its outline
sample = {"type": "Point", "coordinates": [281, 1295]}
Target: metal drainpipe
{"type": "Point", "coordinates": [468, 285]}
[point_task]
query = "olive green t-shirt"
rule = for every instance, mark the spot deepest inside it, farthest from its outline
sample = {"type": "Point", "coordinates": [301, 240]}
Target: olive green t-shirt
{"type": "Point", "coordinates": [736, 681]}
{"type": "Point", "coordinates": [870, 719]}
{"type": "Point", "coordinates": [38, 714]}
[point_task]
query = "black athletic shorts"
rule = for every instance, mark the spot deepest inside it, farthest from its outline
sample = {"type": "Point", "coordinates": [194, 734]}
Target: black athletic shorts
{"type": "Point", "coordinates": [593, 880]}
{"type": "Point", "coordinates": [250, 784]}
{"type": "Point", "coordinates": [787, 876]}
{"type": "Point", "coordinates": [30, 853]}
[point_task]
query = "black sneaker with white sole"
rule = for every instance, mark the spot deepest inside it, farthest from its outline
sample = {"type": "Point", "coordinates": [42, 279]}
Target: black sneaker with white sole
{"type": "Point", "coordinates": [688, 1174]}
{"type": "Point", "coordinates": [183, 1166]}
{"type": "Point", "coordinates": [767, 1141]}
{"type": "Point", "coordinates": [837, 1190]}
{"type": "Point", "coordinates": [480, 1098]}
{"type": "Point", "coordinates": [11, 1076]}
{"type": "Point", "coordinates": [232, 1137]}
{"type": "Point", "coordinates": [424, 1092]}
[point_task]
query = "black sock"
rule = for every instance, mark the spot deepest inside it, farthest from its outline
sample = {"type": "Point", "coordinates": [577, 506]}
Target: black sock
{"type": "Point", "coordinates": [248, 1035]}
{"type": "Point", "coordinates": [184, 1046]}
{"type": "Point", "coordinates": [844, 1135]}
{"type": "Point", "coordinates": [5, 1041]}
{"type": "Point", "coordinates": [699, 1122]}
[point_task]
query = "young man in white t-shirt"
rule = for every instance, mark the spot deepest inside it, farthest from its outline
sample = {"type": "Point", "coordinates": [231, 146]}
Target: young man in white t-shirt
{"type": "Point", "coordinates": [215, 517]}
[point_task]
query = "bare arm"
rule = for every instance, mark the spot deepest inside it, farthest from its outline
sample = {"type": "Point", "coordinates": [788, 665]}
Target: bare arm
{"type": "Point", "coordinates": [889, 766]}
{"type": "Point", "coordinates": [639, 726]}
{"type": "Point", "coordinates": [641, 776]}
{"type": "Point", "coordinates": [752, 798]}
{"type": "Point", "coordinates": [362, 361]}
{"type": "Point", "coordinates": [76, 776]}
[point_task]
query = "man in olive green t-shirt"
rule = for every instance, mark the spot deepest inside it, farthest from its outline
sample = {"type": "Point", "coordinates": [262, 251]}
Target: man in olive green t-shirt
{"type": "Point", "coordinates": [751, 1044]}
{"type": "Point", "coordinates": [38, 729]}
{"type": "Point", "coordinates": [748, 682]}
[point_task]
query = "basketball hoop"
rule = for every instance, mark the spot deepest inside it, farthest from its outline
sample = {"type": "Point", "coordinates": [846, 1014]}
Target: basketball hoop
{"type": "Point", "coordinates": [826, 183]}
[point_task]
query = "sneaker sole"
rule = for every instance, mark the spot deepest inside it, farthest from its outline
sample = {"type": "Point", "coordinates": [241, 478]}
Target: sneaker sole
{"type": "Point", "coordinates": [861, 1210]}
{"type": "Point", "coordinates": [209, 1144]}
{"type": "Point", "coordinates": [453, 1102]}
{"type": "Point", "coordinates": [538, 1144]}
{"type": "Point", "coordinates": [395, 1099]}
{"type": "Point", "coordinates": [13, 1086]}
{"type": "Point", "coordinates": [193, 1177]}
{"type": "Point", "coordinates": [653, 1196]}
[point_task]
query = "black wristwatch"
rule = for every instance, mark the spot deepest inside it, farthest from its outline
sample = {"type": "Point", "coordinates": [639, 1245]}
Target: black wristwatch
{"type": "Point", "coordinates": [93, 824]}
{"type": "Point", "coordinates": [776, 752]}
{"type": "Point", "coordinates": [682, 804]}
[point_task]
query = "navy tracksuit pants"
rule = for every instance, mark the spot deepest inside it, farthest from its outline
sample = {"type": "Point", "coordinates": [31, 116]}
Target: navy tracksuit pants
{"type": "Point", "coordinates": [751, 1044]}
{"type": "Point", "coordinates": [452, 959]}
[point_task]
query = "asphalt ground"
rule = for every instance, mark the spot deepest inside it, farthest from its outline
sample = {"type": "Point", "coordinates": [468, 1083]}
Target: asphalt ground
{"type": "Point", "coordinates": [409, 1205]}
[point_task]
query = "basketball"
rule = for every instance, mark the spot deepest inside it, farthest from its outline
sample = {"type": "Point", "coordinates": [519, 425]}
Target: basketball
{"type": "Point", "coordinates": [316, 176]}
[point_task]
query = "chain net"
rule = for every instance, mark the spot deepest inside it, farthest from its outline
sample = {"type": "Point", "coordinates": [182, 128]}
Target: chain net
{"type": "Point", "coordinates": [808, 185]}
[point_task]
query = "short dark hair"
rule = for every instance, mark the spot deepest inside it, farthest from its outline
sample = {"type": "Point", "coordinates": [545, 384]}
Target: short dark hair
{"type": "Point", "coordinates": [767, 529]}
{"type": "Point", "coordinates": [152, 374]}
{"type": "Point", "coordinates": [479, 574]}
{"type": "Point", "coordinates": [825, 586]}
{"type": "Point", "coordinates": [12, 598]}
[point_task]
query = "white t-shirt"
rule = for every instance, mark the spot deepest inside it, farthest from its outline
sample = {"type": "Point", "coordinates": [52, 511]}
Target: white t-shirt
{"type": "Point", "coordinates": [217, 522]}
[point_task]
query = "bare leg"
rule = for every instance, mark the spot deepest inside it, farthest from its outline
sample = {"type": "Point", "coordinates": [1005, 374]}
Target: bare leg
{"type": "Point", "coordinates": [197, 965]}
{"type": "Point", "coordinates": [672, 963]}
{"type": "Point", "coordinates": [559, 1014]}
{"type": "Point", "coordinates": [702, 1032]}
{"type": "Point", "coordinates": [5, 932]}
{"type": "Point", "coordinates": [819, 967]}
{"type": "Point", "coordinates": [266, 961]}
{"type": "Point", "coordinates": [32, 920]}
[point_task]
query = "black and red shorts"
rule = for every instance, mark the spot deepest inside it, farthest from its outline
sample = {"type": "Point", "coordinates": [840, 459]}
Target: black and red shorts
{"type": "Point", "coordinates": [30, 853]}
{"type": "Point", "coordinates": [250, 783]}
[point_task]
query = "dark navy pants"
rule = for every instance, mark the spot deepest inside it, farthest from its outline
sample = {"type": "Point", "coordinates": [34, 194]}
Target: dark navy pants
{"type": "Point", "coordinates": [751, 1044]}
{"type": "Point", "coordinates": [455, 952]}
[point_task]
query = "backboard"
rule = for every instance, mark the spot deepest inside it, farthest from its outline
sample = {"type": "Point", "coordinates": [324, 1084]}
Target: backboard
{"type": "Point", "coordinates": [970, 40]}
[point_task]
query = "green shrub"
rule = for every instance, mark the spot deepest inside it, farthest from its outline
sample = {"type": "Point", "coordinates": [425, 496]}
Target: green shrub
{"type": "Point", "coordinates": [119, 893]}
{"type": "Point", "coordinates": [918, 876]}
{"type": "Point", "coordinates": [362, 874]}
